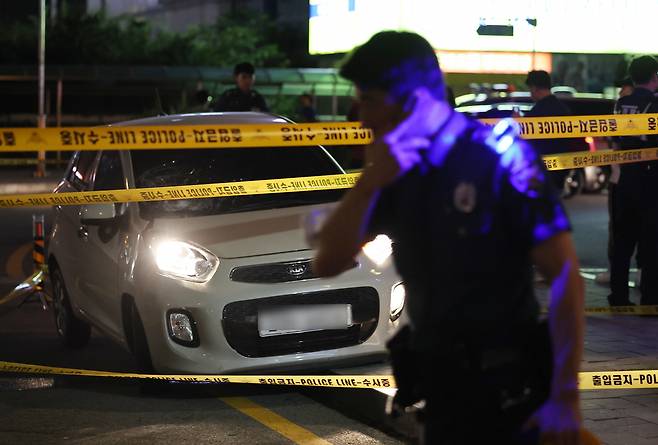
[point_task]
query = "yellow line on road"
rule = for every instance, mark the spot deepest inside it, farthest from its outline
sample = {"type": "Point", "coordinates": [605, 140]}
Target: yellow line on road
{"type": "Point", "coordinates": [275, 422]}
{"type": "Point", "coordinates": [14, 266]}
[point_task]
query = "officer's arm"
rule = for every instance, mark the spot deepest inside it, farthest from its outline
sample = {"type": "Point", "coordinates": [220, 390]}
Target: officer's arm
{"type": "Point", "coordinates": [345, 231]}
{"type": "Point", "coordinates": [557, 261]}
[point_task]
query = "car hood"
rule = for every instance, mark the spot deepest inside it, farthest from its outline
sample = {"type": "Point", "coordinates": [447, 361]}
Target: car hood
{"type": "Point", "coordinates": [243, 234]}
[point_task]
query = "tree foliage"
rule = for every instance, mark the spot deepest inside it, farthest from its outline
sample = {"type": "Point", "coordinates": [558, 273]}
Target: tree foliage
{"type": "Point", "coordinates": [94, 39]}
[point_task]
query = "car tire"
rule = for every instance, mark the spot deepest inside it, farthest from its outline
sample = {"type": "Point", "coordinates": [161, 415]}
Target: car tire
{"type": "Point", "coordinates": [137, 341]}
{"type": "Point", "coordinates": [573, 183]}
{"type": "Point", "coordinates": [73, 332]}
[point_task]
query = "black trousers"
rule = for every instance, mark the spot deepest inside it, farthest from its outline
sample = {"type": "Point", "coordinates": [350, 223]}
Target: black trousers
{"type": "Point", "coordinates": [634, 224]}
{"type": "Point", "coordinates": [469, 418]}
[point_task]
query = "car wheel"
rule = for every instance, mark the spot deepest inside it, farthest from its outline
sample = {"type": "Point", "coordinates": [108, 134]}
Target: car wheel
{"type": "Point", "coordinates": [73, 332]}
{"type": "Point", "coordinates": [573, 183]}
{"type": "Point", "coordinates": [138, 343]}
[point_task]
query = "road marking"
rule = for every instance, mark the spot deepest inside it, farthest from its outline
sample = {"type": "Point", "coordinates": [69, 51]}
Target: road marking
{"type": "Point", "coordinates": [275, 422]}
{"type": "Point", "coordinates": [14, 265]}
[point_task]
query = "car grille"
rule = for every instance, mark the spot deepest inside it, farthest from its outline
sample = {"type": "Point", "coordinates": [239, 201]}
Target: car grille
{"type": "Point", "coordinates": [275, 272]}
{"type": "Point", "coordinates": [240, 323]}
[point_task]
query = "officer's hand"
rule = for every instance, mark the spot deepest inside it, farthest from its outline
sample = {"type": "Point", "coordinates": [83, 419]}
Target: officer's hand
{"type": "Point", "coordinates": [398, 151]}
{"type": "Point", "coordinates": [384, 162]}
{"type": "Point", "coordinates": [558, 423]}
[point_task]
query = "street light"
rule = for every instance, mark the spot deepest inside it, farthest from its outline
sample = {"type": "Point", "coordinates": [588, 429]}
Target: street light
{"type": "Point", "coordinates": [41, 120]}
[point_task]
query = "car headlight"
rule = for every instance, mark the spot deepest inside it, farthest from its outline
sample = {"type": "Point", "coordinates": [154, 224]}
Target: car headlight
{"type": "Point", "coordinates": [379, 249]}
{"type": "Point", "coordinates": [184, 261]}
{"type": "Point", "coordinates": [398, 295]}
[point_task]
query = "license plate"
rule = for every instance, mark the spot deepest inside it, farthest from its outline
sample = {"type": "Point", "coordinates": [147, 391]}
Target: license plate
{"type": "Point", "coordinates": [303, 318]}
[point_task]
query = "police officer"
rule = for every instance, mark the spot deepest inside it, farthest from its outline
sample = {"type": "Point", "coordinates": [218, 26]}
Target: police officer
{"type": "Point", "coordinates": [633, 200]}
{"type": "Point", "coordinates": [547, 104]}
{"type": "Point", "coordinates": [242, 97]}
{"type": "Point", "coordinates": [470, 211]}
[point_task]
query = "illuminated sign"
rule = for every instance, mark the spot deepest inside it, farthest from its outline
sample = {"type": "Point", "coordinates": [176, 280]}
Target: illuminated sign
{"type": "Point", "coordinates": [539, 26]}
{"type": "Point", "coordinates": [493, 62]}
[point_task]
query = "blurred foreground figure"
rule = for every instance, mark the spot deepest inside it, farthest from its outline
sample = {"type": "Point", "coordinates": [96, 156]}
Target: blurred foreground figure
{"type": "Point", "coordinates": [470, 210]}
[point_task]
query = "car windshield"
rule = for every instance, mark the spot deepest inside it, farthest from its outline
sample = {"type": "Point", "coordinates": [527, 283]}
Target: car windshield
{"type": "Point", "coordinates": [161, 168]}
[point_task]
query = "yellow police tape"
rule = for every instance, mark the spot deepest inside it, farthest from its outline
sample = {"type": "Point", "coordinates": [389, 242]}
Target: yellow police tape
{"type": "Point", "coordinates": [289, 135]}
{"type": "Point", "coordinates": [182, 136]}
{"type": "Point", "coordinates": [580, 159]}
{"type": "Point", "coordinates": [583, 126]}
{"type": "Point", "coordinates": [218, 190]}
{"type": "Point", "coordinates": [631, 379]}
{"type": "Point", "coordinates": [619, 310]}
{"type": "Point", "coordinates": [14, 162]}
{"type": "Point", "coordinates": [285, 185]}
{"type": "Point", "coordinates": [623, 310]}
{"type": "Point", "coordinates": [325, 381]}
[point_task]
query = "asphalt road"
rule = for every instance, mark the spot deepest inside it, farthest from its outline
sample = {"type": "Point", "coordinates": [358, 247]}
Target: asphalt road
{"type": "Point", "coordinates": [75, 410]}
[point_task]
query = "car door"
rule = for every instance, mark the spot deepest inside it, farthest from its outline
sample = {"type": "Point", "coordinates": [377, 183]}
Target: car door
{"type": "Point", "coordinates": [70, 253]}
{"type": "Point", "coordinates": [102, 246]}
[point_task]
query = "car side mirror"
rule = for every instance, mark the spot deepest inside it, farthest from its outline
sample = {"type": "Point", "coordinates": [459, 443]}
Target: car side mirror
{"type": "Point", "coordinates": [95, 214]}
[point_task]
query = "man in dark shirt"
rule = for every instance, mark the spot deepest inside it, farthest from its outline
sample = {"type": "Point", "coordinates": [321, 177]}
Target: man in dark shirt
{"type": "Point", "coordinates": [470, 211]}
{"type": "Point", "coordinates": [633, 200]}
{"type": "Point", "coordinates": [242, 97]}
{"type": "Point", "coordinates": [547, 104]}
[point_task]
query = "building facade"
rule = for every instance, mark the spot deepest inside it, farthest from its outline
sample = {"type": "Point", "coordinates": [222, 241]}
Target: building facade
{"type": "Point", "coordinates": [178, 15]}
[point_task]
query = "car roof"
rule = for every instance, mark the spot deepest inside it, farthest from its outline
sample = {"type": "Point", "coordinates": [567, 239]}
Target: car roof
{"type": "Point", "coordinates": [226, 118]}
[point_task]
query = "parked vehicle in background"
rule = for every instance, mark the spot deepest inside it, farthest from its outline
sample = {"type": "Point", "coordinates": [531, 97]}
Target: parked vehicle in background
{"type": "Point", "coordinates": [214, 285]}
{"type": "Point", "coordinates": [501, 104]}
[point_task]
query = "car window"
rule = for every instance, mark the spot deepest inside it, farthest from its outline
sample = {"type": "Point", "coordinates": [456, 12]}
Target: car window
{"type": "Point", "coordinates": [590, 107]}
{"type": "Point", "coordinates": [81, 169]}
{"type": "Point", "coordinates": [161, 168]}
{"type": "Point", "coordinates": [109, 174]}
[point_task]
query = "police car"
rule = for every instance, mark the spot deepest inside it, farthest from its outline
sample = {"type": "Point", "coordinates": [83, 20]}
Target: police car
{"type": "Point", "coordinates": [214, 285]}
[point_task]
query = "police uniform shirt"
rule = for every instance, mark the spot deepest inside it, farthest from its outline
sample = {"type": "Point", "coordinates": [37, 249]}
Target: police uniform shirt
{"type": "Point", "coordinates": [237, 100]}
{"type": "Point", "coordinates": [640, 100]}
{"type": "Point", "coordinates": [552, 106]}
{"type": "Point", "coordinates": [463, 224]}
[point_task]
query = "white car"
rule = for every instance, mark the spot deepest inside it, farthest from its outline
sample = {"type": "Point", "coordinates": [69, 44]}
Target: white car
{"type": "Point", "coordinates": [214, 285]}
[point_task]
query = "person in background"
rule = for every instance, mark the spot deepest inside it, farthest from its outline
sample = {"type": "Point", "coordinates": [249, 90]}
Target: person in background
{"type": "Point", "coordinates": [306, 111]}
{"type": "Point", "coordinates": [242, 97]}
{"type": "Point", "coordinates": [547, 104]}
{"type": "Point", "coordinates": [625, 89]}
{"type": "Point", "coordinates": [633, 200]}
{"type": "Point", "coordinates": [469, 210]}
